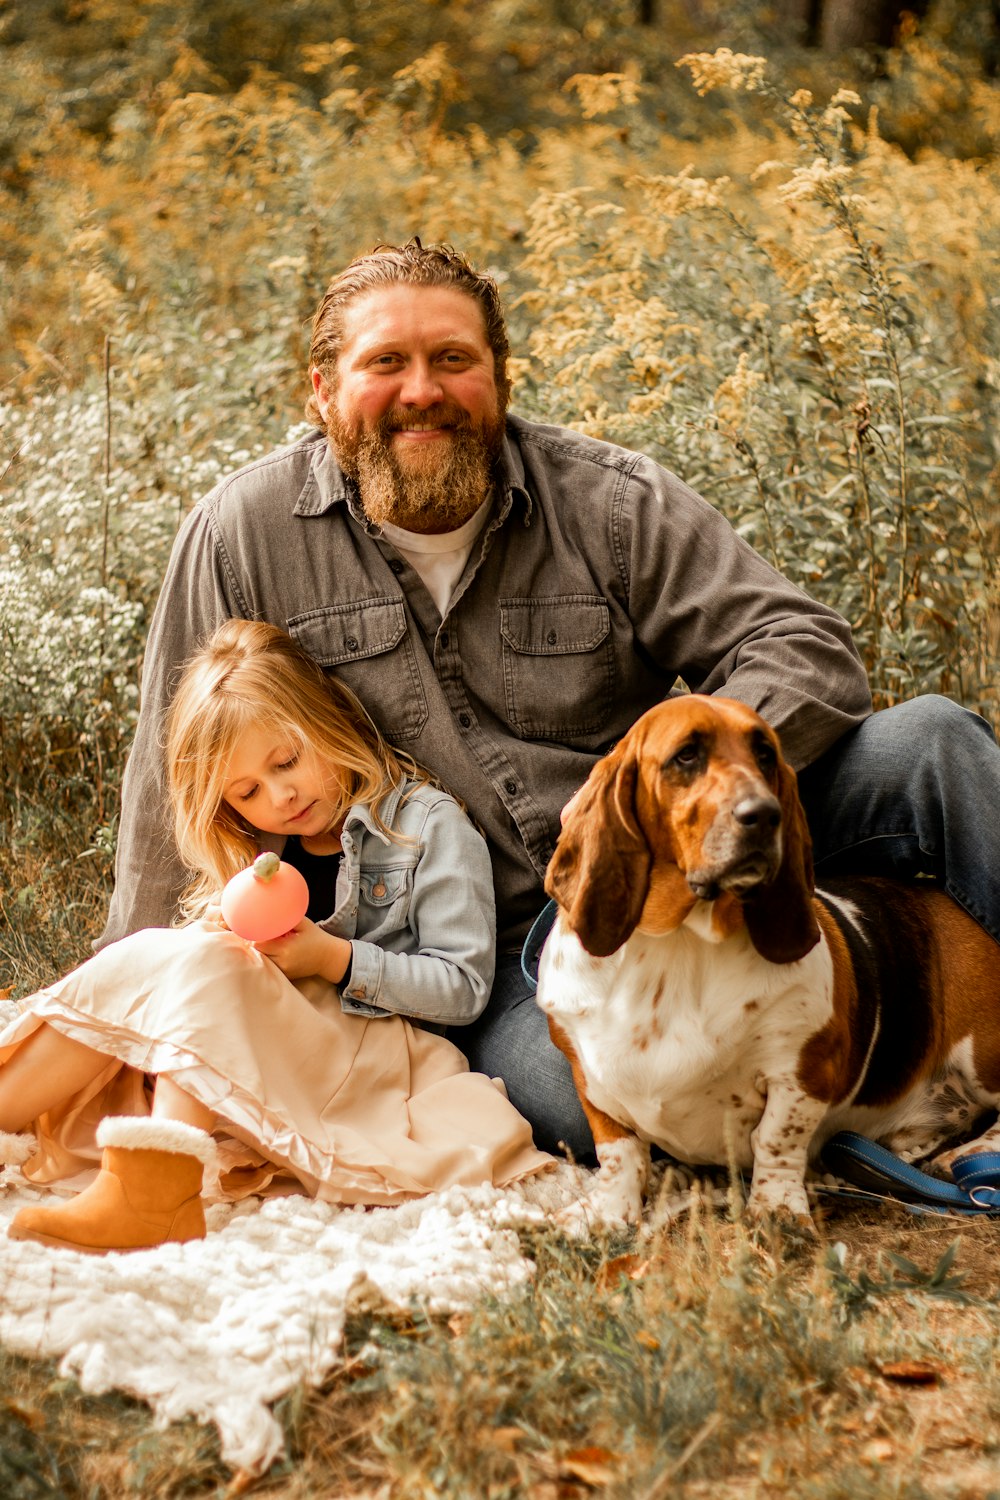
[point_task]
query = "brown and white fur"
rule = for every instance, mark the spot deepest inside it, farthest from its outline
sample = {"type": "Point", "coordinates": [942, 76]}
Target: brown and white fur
{"type": "Point", "coordinates": [710, 1002]}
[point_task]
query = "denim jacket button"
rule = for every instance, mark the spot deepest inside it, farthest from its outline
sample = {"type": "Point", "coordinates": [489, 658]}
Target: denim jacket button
{"type": "Point", "coordinates": [378, 890]}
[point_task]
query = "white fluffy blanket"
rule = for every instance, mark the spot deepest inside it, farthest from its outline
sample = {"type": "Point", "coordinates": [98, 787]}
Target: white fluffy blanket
{"type": "Point", "coordinates": [217, 1329]}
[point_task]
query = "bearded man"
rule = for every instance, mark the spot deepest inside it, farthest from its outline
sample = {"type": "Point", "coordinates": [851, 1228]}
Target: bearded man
{"type": "Point", "coordinates": [506, 598]}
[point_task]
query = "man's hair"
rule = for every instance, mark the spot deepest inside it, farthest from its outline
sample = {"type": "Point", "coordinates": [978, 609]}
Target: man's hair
{"type": "Point", "coordinates": [412, 264]}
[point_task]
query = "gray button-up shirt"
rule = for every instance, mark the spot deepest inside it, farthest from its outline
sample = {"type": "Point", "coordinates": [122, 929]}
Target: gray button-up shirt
{"type": "Point", "coordinates": [599, 582]}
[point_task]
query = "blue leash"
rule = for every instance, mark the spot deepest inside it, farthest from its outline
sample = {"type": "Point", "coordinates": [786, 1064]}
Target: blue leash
{"type": "Point", "coordinates": [869, 1166]}
{"type": "Point", "coordinates": [535, 942]}
{"type": "Point", "coordinates": [863, 1163]}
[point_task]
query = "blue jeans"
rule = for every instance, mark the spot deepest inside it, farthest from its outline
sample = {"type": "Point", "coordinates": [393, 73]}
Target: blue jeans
{"type": "Point", "coordinates": [914, 790]}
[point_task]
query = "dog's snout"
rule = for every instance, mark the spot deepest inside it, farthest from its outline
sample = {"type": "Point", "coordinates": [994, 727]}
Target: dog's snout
{"type": "Point", "coordinates": [760, 813]}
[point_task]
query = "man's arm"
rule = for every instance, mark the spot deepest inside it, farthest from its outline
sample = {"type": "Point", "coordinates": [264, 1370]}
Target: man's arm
{"type": "Point", "coordinates": [149, 876]}
{"type": "Point", "coordinates": [701, 599]}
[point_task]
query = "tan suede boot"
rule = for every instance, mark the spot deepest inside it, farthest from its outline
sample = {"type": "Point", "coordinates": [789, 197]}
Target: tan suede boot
{"type": "Point", "coordinates": [148, 1191]}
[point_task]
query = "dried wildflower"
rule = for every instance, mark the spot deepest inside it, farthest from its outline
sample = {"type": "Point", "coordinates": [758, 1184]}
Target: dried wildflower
{"type": "Point", "coordinates": [684, 193]}
{"type": "Point", "coordinates": [845, 96]}
{"type": "Point", "coordinates": [734, 398]}
{"type": "Point", "coordinates": [725, 69]}
{"type": "Point", "coordinates": [602, 93]}
{"type": "Point", "coordinates": [814, 181]}
{"type": "Point", "coordinates": [833, 325]}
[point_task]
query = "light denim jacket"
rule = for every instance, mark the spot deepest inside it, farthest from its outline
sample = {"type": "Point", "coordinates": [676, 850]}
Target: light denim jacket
{"type": "Point", "coordinates": [419, 914]}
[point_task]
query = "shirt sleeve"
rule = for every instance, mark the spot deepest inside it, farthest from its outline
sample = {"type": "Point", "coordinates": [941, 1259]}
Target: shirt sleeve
{"type": "Point", "coordinates": [194, 599]}
{"type": "Point", "coordinates": [705, 602]}
{"type": "Point", "coordinates": [447, 975]}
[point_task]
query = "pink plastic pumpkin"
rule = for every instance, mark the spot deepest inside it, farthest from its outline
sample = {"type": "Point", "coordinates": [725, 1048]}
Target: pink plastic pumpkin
{"type": "Point", "coordinates": [264, 901]}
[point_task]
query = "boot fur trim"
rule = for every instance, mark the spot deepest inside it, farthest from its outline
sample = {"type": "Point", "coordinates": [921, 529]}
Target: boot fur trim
{"type": "Point", "coordinates": [16, 1149]}
{"type": "Point", "coordinates": [143, 1133]}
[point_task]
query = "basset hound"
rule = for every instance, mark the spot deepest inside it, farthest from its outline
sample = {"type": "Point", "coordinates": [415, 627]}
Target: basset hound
{"type": "Point", "coordinates": [711, 1001]}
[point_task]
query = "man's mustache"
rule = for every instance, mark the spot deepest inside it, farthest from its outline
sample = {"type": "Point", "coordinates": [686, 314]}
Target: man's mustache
{"type": "Point", "coordinates": [442, 414]}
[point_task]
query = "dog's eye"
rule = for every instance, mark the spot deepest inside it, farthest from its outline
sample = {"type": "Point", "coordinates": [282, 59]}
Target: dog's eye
{"type": "Point", "coordinates": [686, 757]}
{"type": "Point", "coordinates": [766, 755]}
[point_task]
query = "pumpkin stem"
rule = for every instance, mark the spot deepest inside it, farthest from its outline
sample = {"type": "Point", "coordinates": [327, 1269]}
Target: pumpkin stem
{"type": "Point", "coordinates": [266, 866]}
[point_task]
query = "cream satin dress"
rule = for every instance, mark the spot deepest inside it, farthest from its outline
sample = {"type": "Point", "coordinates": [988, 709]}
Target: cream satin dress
{"type": "Point", "coordinates": [347, 1108]}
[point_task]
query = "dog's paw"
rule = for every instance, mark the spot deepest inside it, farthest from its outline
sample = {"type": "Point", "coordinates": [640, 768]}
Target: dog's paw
{"type": "Point", "coordinates": [787, 1208]}
{"type": "Point", "coordinates": [600, 1212]}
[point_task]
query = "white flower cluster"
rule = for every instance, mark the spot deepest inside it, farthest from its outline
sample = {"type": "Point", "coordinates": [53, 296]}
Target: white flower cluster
{"type": "Point", "coordinates": [85, 533]}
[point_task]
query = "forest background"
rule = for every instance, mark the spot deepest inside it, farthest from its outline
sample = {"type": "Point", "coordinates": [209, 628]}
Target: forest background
{"type": "Point", "coordinates": [759, 242]}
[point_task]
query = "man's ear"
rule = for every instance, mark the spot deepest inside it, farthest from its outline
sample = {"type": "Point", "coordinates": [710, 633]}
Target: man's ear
{"type": "Point", "coordinates": [599, 873]}
{"type": "Point", "coordinates": [321, 391]}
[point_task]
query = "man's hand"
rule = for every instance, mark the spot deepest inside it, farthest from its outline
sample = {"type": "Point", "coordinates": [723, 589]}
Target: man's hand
{"type": "Point", "coordinates": [308, 950]}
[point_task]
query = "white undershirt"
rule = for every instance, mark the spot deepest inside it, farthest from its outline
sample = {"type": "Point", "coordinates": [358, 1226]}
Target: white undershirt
{"type": "Point", "coordinates": [440, 558]}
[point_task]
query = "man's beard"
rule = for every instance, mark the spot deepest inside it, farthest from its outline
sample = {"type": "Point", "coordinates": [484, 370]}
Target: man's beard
{"type": "Point", "coordinates": [431, 491]}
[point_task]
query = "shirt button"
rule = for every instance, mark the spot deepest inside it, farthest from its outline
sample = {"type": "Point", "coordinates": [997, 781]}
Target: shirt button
{"type": "Point", "coordinates": [465, 720]}
{"type": "Point", "coordinates": [552, 637]}
{"type": "Point", "coordinates": [351, 643]}
{"type": "Point", "coordinates": [444, 639]}
{"type": "Point", "coordinates": [395, 566]}
{"type": "Point", "coordinates": [510, 787]}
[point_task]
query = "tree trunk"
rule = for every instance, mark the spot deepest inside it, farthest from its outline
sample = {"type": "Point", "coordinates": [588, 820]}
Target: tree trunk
{"type": "Point", "coordinates": [857, 23]}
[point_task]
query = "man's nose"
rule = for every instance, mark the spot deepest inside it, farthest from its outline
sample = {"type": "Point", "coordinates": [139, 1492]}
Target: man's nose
{"type": "Point", "coordinates": [421, 385]}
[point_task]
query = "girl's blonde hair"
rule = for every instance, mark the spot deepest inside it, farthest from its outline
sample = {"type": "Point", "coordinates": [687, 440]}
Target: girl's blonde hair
{"type": "Point", "coordinates": [251, 675]}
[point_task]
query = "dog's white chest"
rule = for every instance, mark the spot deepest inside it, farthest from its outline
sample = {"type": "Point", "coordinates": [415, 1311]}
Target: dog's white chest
{"type": "Point", "coordinates": [677, 1035]}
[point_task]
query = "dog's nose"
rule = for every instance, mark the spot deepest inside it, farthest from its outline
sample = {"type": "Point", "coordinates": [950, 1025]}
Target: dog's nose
{"type": "Point", "coordinates": [762, 813]}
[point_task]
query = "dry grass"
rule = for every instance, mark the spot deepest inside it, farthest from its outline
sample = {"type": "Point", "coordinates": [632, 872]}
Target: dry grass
{"type": "Point", "coordinates": [702, 1362]}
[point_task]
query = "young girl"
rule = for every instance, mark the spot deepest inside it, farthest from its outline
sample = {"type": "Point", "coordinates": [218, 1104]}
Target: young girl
{"type": "Point", "coordinates": [294, 1053]}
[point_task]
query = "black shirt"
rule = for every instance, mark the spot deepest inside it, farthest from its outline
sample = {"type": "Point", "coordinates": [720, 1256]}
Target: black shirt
{"type": "Point", "coordinates": [320, 874]}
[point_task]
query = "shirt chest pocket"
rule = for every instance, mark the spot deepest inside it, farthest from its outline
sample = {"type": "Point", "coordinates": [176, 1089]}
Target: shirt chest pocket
{"type": "Point", "coordinates": [367, 645]}
{"type": "Point", "coordinates": [558, 665]}
{"type": "Point", "coordinates": [384, 902]}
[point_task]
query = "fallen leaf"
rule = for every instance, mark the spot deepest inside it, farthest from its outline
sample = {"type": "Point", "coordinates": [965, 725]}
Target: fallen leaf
{"type": "Point", "coordinates": [30, 1416]}
{"type": "Point", "coordinates": [590, 1466]}
{"type": "Point", "coordinates": [240, 1483]}
{"type": "Point", "coordinates": [912, 1372]}
{"type": "Point", "coordinates": [647, 1340]}
{"type": "Point", "coordinates": [506, 1438]}
{"type": "Point", "coordinates": [6, 992]}
{"type": "Point", "coordinates": [632, 1267]}
{"type": "Point", "coordinates": [595, 1466]}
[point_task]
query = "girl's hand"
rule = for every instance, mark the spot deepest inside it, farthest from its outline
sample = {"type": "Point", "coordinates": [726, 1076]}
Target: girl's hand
{"type": "Point", "coordinates": [308, 950]}
{"type": "Point", "coordinates": [212, 918]}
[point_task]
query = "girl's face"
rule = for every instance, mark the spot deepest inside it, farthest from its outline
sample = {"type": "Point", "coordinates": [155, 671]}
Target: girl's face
{"type": "Point", "coordinates": [278, 788]}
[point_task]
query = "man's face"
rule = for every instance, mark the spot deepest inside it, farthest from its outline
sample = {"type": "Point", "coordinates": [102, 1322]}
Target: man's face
{"type": "Point", "coordinates": [414, 415]}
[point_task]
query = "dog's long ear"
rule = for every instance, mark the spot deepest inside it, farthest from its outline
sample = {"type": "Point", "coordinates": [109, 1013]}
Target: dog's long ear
{"type": "Point", "coordinates": [599, 873]}
{"type": "Point", "coordinates": [780, 917]}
